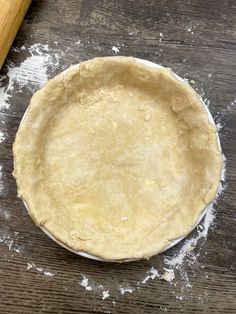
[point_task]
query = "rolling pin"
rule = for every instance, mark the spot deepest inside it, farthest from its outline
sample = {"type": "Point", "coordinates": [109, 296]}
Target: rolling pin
{"type": "Point", "coordinates": [12, 13]}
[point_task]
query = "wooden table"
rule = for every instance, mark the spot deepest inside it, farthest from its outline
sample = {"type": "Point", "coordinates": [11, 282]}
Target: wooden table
{"type": "Point", "coordinates": [197, 39]}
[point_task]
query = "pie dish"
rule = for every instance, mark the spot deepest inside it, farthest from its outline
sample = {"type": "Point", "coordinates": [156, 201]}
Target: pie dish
{"type": "Point", "coordinates": [116, 159]}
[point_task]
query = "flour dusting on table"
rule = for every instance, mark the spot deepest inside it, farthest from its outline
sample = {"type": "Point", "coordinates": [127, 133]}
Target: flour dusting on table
{"type": "Point", "coordinates": [33, 69]}
{"type": "Point", "coordinates": [126, 290]}
{"type": "Point", "coordinates": [84, 283]}
{"type": "Point", "coordinates": [91, 285]}
{"type": "Point", "coordinates": [105, 294]}
{"type": "Point", "coordinates": [30, 75]}
{"type": "Point", "coordinates": [115, 49]}
{"type": "Point", "coordinates": [168, 275]}
{"type": "Point", "coordinates": [152, 273]}
{"type": "Point", "coordinates": [1, 182]}
{"type": "Point", "coordinates": [10, 240]}
{"type": "Point", "coordinates": [40, 269]}
{"type": "Point", "coordinates": [2, 137]}
{"type": "Point", "coordinates": [44, 271]}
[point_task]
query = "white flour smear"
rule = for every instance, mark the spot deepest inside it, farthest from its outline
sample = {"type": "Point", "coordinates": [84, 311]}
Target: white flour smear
{"type": "Point", "coordinates": [9, 240]}
{"type": "Point", "coordinates": [39, 269]}
{"type": "Point", "coordinates": [105, 294]}
{"type": "Point", "coordinates": [31, 73]}
{"type": "Point", "coordinates": [84, 283]}
{"type": "Point", "coordinates": [161, 37]}
{"type": "Point", "coordinates": [91, 285]}
{"type": "Point", "coordinates": [151, 274]}
{"type": "Point", "coordinates": [44, 271]}
{"type": "Point", "coordinates": [2, 137]}
{"type": "Point", "coordinates": [168, 275]}
{"type": "Point", "coordinates": [228, 108]}
{"type": "Point", "coordinates": [1, 181]}
{"type": "Point", "coordinates": [115, 49]}
{"type": "Point", "coordinates": [126, 290]}
{"type": "Point", "coordinates": [33, 69]}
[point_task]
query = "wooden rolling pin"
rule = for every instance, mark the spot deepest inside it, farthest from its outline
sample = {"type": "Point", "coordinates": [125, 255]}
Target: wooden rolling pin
{"type": "Point", "coordinates": [12, 13]}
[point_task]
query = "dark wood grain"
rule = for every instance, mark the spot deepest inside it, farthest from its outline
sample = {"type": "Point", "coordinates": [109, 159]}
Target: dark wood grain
{"type": "Point", "coordinates": [134, 26]}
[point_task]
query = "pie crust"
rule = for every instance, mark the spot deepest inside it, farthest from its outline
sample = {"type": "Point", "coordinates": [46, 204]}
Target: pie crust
{"type": "Point", "coordinates": [116, 159]}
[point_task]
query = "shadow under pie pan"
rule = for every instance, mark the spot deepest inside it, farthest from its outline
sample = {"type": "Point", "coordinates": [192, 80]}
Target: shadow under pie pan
{"type": "Point", "coordinates": [117, 159]}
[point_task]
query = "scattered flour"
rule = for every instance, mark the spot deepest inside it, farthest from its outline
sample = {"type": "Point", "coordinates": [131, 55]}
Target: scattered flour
{"type": "Point", "coordinates": [1, 182]}
{"type": "Point", "coordinates": [45, 272]}
{"type": "Point", "coordinates": [126, 290]}
{"type": "Point", "coordinates": [219, 126]}
{"type": "Point", "coordinates": [48, 273]}
{"type": "Point", "coordinates": [207, 102]}
{"type": "Point", "coordinates": [32, 71]}
{"type": "Point", "coordinates": [29, 266]}
{"type": "Point", "coordinates": [9, 241]}
{"type": "Point", "coordinates": [152, 273]}
{"type": "Point", "coordinates": [39, 269]}
{"type": "Point", "coordinates": [2, 137]}
{"type": "Point", "coordinates": [168, 275]}
{"type": "Point", "coordinates": [91, 285]}
{"type": "Point", "coordinates": [7, 214]}
{"type": "Point", "coordinates": [78, 42]}
{"type": "Point", "coordinates": [115, 49]}
{"type": "Point", "coordinates": [164, 309]}
{"type": "Point", "coordinates": [5, 95]}
{"type": "Point", "coordinates": [105, 295]}
{"type": "Point", "coordinates": [84, 283]}
{"type": "Point", "coordinates": [161, 37]}
{"type": "Point", "coordinates": [190, 29]}
{"type": "Point", "coordinates": [223, 176]}
{"type": "Point", "coordinates": [231, 105]}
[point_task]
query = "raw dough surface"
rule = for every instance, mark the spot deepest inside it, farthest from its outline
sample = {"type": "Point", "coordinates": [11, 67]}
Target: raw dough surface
{"type": "Point", "coordinates": [116, 159]}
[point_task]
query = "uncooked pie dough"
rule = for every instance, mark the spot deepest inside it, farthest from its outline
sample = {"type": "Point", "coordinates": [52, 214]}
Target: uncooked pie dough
{"type": "Point", "coordinates": [116, 159]}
